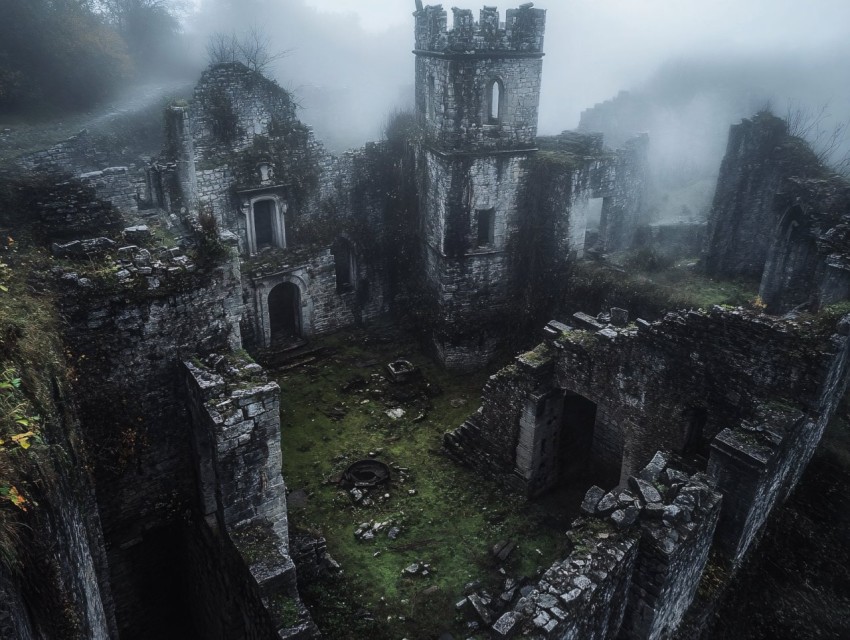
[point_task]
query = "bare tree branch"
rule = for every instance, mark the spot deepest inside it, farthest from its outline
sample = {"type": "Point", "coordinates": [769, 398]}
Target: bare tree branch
{"type": "Point", "coordinates": [826, 140]}
{"type": "Point", "coordinates": [253, 49]}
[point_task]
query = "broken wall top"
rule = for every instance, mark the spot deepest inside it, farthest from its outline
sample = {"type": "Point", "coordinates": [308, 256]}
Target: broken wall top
{"type": "Point", "coordinates": [522, 32]}
{"type": "Point", "coordinates": [231, 106]}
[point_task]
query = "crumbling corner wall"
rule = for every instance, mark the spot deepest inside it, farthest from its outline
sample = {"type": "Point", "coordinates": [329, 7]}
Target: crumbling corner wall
{"type": "Point", "coordinates": [236, 442]}
{"type": "Point", "coordinates": [635, 564]}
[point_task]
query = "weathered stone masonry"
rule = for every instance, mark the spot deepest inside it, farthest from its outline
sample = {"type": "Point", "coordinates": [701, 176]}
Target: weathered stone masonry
{"type": "Point", "coordinates": [236, 443]}
{"type": "Point", "coordinates": [477, 98]}
{"type": "Point", "coordinates": [746, 396]}
{"type": "Point", "coordinates": [635, 563]}
{"type": "Point", "coordinates": [780, 215]}
{"type": "Point", "coordinates": [239, 152]}
{"type": "Point", "coordinates": [126, 347]}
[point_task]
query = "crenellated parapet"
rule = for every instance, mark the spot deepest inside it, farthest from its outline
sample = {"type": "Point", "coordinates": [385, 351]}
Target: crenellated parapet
{"type": "Point", "coordinates": [521, 32]}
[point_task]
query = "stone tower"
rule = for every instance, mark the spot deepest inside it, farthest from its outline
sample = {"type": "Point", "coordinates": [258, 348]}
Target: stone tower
{"type": "Point", "coordinates": [477, 97]}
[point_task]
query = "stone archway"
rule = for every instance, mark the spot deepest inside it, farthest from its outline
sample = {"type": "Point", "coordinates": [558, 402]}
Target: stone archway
{"type": "Point", "coordinates": [285, 319]}
{"type": "Point", "coordinates": [792, 258]}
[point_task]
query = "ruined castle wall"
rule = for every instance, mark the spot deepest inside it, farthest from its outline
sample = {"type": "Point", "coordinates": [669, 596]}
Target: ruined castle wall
{"type": "Point", "coordinates": [125, 346]}
{"type": "Point", "coordinates": [59, 586]}
{"type": "Point", "coordinates": [324, 306]}
{"type": "Point", "coordinates": [807, 261]}
{"type": "Point", "coordinates": [14, 619]}
{"type": "Point", "coordinates": [115, 185]}
{"type": "Point", "coordinates": [82, 157]}
{"type": "Point", "coordinates": [469, 283]}
{"type": "Point", "coordinates": [241, 569]}
{"type": "Point", "coordinates": [760, 153]}
{"type": "Point", "coordinates": [455, 69]}
{"type": "Point", "coordinates": [717, 363]}
{"type": "Point", "coordinates": [490, 182]}
{"type": "Point", "coordinates": [494, 430]}
{"type": "Point", "coordinates": [635, 563]}
{"type": "Point", "coordinates": [77, 154]}
{"type": "Point", "coordinates": [673, 552]}
{"type": "Point", "coordinates": [65, 564]}
{"type": "Point", "coordinates": [232, 102]}
{"type": "Point", "coordinates": [268, 153]}
{"type": "Point", "coordinates": [454, 97]}
{"type": "Point", "coordinates": [583, 596]}
{"type": "Point", "coordinates": [181, 146]}
{"type": "Point", "coordinates": [624, 210]}
{"type": "Point", "coordinates": [758, 463]}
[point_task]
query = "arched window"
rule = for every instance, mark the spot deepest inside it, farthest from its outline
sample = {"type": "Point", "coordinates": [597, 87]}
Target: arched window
{"type": "Point", "coordinates": [495, 101]}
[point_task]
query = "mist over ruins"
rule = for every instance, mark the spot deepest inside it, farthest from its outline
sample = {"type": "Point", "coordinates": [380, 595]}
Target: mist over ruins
{"type": "Point", "coordinates": [317, 328]}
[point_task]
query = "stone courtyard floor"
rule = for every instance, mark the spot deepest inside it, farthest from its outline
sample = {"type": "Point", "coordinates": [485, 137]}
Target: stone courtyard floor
{"type": "Point", "coordinates": [432, 528]}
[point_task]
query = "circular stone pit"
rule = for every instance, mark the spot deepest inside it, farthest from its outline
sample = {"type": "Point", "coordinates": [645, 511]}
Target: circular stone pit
{"type": "Point", "coordinates": [365, 474]}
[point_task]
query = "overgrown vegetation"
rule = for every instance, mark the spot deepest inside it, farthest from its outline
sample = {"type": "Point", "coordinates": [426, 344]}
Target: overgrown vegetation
{"type": "Point", "coordinates": [74, 53]}
{"type": "Point", "coordinates": [28, 359]}
{"type": "Point", "coordinates": [538, 260]}
{"type": "Point", "coordinates": [211, 251]}
{"type": "Point", "coordinates": [827, 138]}
{"type": "Point", "coordinates": [596, 286]}
{"type": "Point", "coordinates": [37, 441]}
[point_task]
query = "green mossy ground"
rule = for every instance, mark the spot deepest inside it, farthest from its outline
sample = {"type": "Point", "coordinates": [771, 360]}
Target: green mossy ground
{"type": "Point", "coordinates": [450, 523]}
{"type": "Point", "coordinates": [662, 284]}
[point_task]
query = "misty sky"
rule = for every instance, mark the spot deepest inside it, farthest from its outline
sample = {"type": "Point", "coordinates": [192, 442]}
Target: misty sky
{"type": "Point", "coordinates": [350, 61]}
{"type": "Point", "coordinates": [596, 47]}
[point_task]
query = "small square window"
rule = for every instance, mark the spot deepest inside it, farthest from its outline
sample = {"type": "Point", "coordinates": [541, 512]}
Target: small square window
{"type": "Point", "coordinates": [486, 227]}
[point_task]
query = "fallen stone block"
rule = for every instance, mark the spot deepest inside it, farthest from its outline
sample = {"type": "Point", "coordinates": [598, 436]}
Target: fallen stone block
{"type": "Point", "coordinates": [585, 321]}
{"type": "Point", "coordinates": [508, 625]}
{"type": "Point", "coordinates": [591, 499]}
{"type": "Point", "coordinates": [645, 491]}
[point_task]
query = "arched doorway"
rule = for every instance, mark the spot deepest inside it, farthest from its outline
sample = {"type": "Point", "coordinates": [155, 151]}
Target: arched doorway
{"type": "Point", "coordinates": [285, 312]}
{"type": "Point", "coordinates": [786, 281]}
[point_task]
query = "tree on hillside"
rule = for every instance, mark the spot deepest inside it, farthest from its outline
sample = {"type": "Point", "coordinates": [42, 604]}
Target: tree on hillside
{"type": "Point", "coordinates": [57, 52]}
{"type": "Point", "coordinates": [150, 28]}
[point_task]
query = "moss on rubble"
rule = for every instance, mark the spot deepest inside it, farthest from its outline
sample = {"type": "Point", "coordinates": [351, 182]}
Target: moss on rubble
{"type": "Point", "coordinates": [449, 518]}
{"type": "Point", "coordinates": [597, 286]}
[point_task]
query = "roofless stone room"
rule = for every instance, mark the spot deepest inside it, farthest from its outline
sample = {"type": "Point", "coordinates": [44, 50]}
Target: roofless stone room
{"type": "Point", "coordinates": [326, 320]}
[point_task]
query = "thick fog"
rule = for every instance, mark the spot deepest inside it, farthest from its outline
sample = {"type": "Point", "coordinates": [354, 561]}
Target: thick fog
{"type": "Point", "coordinates": [691, 67]}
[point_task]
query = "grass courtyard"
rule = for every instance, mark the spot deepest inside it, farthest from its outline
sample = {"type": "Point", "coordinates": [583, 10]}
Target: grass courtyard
{"type": "Point", "coordinates": [334, 412]}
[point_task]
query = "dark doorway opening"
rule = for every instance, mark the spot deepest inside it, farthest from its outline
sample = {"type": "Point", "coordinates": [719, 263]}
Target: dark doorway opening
{"type": "Point", "coordinates": [694, 443]}
{"type": "Point", "coordinates": [578, 423]}
{"type": "Point", "coordinates": [263, 230]}
{"type": "Point", "coordinates": [344, 264]}
{"type": "Point", "coordinates": [285, 312]}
